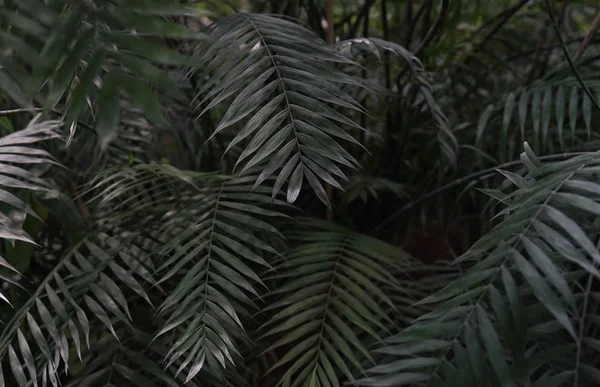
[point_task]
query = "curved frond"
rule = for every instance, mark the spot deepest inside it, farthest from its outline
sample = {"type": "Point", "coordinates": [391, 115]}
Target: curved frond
{"type": "Point", "coordinates": [284, 89]}
{"type": "Point", "coordinates": [525, 312]}
{"type": "Point", "coordinates": [135, 361]}
{"type": "Point", "coordinates": [424, 100]}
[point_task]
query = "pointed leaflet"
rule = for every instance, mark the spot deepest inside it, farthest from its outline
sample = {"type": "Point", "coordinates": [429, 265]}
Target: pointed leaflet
{"type": "Point", "coordinates": [560, 113]}
{"type": "Point", "coordinates": [295, 184]}
{"type": "Point", "coordinates": [523, 102]}
{"type": "Point", "coordinates": [27, 356]}
{"type": "Point", "coordinates": [276, 161]}
{"type": "Point", "coordinates": [535, 115]}
{"type": "Point", "coordinates": [546, 109]}
{"type": "Point", "coordinates": [77, 100]}
{"type": "Point", "coordinates": [573, 102]}
{"type": "Point", "coordinates": [64, 75]}
{"type": "Point", "coordinates": [100, 314]}
{"type": "Point", "coordinates": [62, 33]}
{"type": "Point", "coordinates": [108, 111]}
{"type": "Point", "coordinates": [16, 367]}
{"type": "Point", "coordinates": [547, 266]}
{"type": "Point", "coordinates": [494, 348]}
{"type": "Point", "coordinates": [506, 118]}
{"type": "Point", "coordinates": [543, 292]}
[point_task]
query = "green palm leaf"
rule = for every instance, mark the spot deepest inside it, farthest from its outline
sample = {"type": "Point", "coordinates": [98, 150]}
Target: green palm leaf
{"type": "Point", "coordinates": [278, 75]}
{"type": "Point", "coordinates": [213, 237]}
{"type": "Point", "coordinates": [78, 299]}
{"type": "Point", "coordinates": [16, 154]}
{"type": "Point", "coordinates": [530, 276]}
{"type": "Point", "coordinates": [331, 303]}
{"type": "Point", "coordinates": [93, 46]}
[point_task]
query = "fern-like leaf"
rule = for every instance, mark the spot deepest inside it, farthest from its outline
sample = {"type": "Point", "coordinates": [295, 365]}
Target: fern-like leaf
{"type": "Point", "coordinates": [331, 303]}
{"type": "Point", "coordinates": [532, 276]}
{"type": "Point", "coordinates": [282, 86]}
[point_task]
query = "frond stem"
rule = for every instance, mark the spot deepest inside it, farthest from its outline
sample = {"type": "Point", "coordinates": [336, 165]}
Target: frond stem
{"type": "Point", "coordinates": [337, 261]}
{"type": "Point", "coordinates": [280, 78]}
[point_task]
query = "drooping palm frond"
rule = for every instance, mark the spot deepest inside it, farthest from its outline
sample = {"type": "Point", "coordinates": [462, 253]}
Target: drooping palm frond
{"type": "Point", "coordinates": [21, 165]}
{"type": "Point", "coordinates": [76, 48]}
{"type": "Point", "coordinates": [525, 311]}
{"type": "Point", "coordinates": [424, 101]}
{"type": "Point", "coordinates": [88, 292]}
{"type": "Point", "coordinates": [330, 304]}
{"type": "Point", "coordinates": [213, 240]}
{"type": "Point", "coordinates": [278, 75]}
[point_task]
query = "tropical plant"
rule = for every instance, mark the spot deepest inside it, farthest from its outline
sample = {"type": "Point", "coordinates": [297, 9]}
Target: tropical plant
{"type": "Point", "coordinates": [299, 193]}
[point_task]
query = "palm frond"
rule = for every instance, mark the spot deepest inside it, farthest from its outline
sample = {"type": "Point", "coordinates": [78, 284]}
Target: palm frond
{"type": "Point", "coordinates": [213, 241]}
{"type": "Point", "coordinates": [278, 74]}
{"type": "Point", "coordinates": [425, 101]}
{"type": "Point", "coordinates": [531, 276]}
{"type": "Point", "coordinates": [331, 304]}
{"type": "Point", "coordinates": [76, 49]}
{"type": "Point", "coordinates": [364, 186]}
{"type": "Point", "coordinates": [132, 362]}
{"type": "Point", "coordinates": [21, 165]}
{"type": "Point", "coordinates": [77, 300]}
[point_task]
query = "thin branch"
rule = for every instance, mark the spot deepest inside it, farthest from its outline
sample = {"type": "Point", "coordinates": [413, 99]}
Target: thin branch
{"type": "Point", "coordinates": [18, 111]}
{"type": "Point", "coordinates": [588, 38]}
{"type": "Point", "coordinates": [435, 28]}
{"type": "Point", "coordinates": [506, 15]}
{"type": "Point", "coordinates": [437, 24]}
{"type": "Point", "coordinates": [361, 14]}
{"type": "Point", "coordinates": [545, 48]}
{"type": "Point", "coordinates": [386, 36]}
{"type": "Point", "coordinates": [566, 52]}
{"type": "Point", "coordinates": [409, 22]}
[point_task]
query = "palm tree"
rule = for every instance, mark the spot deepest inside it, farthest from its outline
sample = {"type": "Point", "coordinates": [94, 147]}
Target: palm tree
{"type": "Point", "coordinates": [166, 168]}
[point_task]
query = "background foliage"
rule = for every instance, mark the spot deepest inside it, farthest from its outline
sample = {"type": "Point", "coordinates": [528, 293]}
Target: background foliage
{"type": "Point", "coordinates": [299, 193]}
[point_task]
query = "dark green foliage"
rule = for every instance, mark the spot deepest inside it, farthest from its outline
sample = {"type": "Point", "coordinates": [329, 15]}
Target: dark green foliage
{"type": "Point", "coordinates": [161, 213]}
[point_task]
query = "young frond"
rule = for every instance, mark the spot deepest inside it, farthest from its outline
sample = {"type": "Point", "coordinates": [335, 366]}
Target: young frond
{"type": "Point", "coordinates": [289, 97]}
{"type": "Point", "coordinates": [532, 276]}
